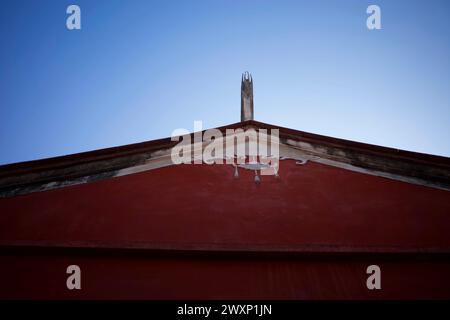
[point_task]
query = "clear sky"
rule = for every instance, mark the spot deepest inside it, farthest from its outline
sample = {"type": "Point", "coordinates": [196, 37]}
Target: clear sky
{"type": "Point", "coordinates": [137, 70]}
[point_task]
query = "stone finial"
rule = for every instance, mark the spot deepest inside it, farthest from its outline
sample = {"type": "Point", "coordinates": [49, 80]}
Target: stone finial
{"type": "Point", "coordinates": [246, 97]}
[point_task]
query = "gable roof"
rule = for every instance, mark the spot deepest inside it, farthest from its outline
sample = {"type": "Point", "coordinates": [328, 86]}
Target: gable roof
{"type": "Point", "coordinates": [412, 167]}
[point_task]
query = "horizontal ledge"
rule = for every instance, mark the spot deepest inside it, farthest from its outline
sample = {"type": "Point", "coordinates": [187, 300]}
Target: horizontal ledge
{"type": "Point", "coordinates": [214, 249]}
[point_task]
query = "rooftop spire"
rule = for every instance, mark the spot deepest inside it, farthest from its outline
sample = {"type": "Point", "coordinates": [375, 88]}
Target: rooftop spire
{"type": "Point", "coordinates": [246, 97]}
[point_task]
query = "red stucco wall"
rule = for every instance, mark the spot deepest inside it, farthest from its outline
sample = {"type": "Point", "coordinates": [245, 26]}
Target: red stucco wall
{"type": "Point", "coordinates": [205, 207]}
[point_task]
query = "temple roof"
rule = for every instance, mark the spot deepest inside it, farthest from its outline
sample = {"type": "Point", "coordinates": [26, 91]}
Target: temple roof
{"type": "Point", "coordinates": [411, 167]}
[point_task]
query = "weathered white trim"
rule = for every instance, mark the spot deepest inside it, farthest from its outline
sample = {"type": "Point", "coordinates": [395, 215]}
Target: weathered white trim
{"type": "Point", "coordinates": [295, 150]}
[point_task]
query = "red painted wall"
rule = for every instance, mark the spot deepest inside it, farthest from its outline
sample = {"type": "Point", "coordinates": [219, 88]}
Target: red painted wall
{"type": "Point", "coordinates": [125, 277]}
{"type": "Point", "coordinates": [204, 207]}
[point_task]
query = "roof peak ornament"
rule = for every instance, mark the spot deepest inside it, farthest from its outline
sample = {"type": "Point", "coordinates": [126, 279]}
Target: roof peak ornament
{"type": "Point", "coordinates": [246, 97]}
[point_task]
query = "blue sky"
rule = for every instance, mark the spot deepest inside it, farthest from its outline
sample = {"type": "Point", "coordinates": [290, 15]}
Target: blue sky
{"type": "Point", "coordinates": [137, 70]}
